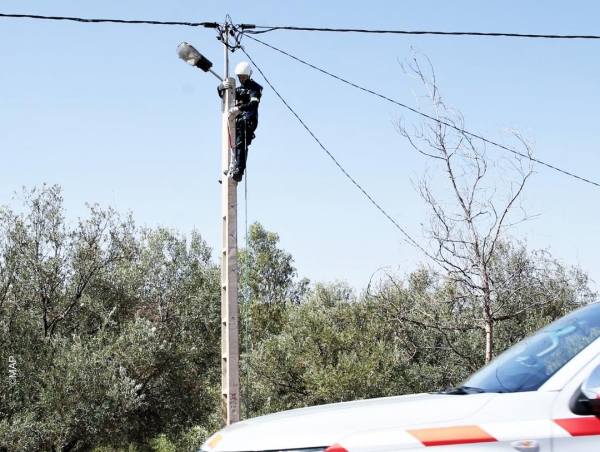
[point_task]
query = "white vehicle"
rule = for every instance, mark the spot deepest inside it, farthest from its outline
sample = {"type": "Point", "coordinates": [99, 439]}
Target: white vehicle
{"type": "Point", "coordinates": [542, 394]}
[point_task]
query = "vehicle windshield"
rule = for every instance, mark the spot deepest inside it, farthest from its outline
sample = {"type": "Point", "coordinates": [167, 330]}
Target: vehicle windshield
{"type": "Point", "coordinates": [529, 364]}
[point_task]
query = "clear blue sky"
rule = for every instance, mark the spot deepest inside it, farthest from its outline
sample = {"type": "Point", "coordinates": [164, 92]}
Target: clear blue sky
{"type": "Point", "coordinates": [109, 112]}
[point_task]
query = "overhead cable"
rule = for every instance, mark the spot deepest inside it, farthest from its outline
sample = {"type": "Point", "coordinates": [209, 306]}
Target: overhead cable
{"type": "Point", "coordinates": [408, 237]}
{"type": "Point", "coordinates": [118, 21]}
{"type": "Point", "coordinates": [264, 29]}
{"type": "Point", "coordinates": [259, 29]}
{"type": "Point", "coordinates": [463, 131]}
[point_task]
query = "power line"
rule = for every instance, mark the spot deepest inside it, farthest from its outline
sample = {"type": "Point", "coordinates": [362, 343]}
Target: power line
{"type": "Point", "coordinates": [408, 237]}
{"type": "Point", "coordinates": [266, 29]}
{"type": "Point", "coordinates": [118, 21]}
{"type": "Point", "coordinates": [427, 116]}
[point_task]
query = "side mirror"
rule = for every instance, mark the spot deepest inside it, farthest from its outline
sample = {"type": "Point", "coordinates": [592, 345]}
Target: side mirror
{"type": "Point", "coordinates": [590, 393]}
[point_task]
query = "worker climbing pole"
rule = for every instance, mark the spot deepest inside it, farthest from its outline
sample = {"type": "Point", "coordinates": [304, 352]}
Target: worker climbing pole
{"type": "Point", "coordinates": [245, 113]}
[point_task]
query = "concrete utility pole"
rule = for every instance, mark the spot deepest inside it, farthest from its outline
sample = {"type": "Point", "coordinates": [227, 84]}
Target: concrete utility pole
{"type": "Point", "coordinates": [230, 353]}
{"type": "Point", "coordinates": [230, 387]}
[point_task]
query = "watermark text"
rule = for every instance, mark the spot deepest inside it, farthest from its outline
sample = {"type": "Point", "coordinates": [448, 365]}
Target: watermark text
{"type": "Point", "coordinates": [12, 371]}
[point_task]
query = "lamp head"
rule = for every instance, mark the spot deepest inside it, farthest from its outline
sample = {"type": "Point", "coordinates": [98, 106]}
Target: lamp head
{"type": "Point", "coordinates": [191, 56]}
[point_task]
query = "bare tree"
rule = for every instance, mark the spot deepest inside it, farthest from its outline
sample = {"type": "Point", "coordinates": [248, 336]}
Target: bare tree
{"type": "Point", "coordinates": [475, 203]}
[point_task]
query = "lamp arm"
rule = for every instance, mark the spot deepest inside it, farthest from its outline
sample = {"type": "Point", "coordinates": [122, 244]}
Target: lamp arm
{"type": "Point", "coordinates": [215, 74]}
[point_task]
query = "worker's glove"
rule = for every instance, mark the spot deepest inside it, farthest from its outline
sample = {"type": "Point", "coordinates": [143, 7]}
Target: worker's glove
{"type": "Point", "coordinates": [227, 84]}
{"type": "Point", "coordinates": [233, 112]}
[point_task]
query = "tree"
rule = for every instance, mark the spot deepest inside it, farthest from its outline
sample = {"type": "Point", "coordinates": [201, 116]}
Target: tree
{"type": "Point", "coordinates": [470, 215]}
{"type": "Point", "coordinates": [332, 347]}
{"type": "Point", "coordinates": [444, 335]}
{"type": "Point", "coordinates": [268, 279]}
{"type": "Point", "coordinates": [268, 289]}
{"type": "Point", "coordinates": [114, 332]}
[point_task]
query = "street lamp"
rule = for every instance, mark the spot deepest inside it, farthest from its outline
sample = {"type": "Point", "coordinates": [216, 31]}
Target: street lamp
{"type": "Point", "coordinates": [230, 378]}
{"type": "Point", "coordinates": [191, 56]}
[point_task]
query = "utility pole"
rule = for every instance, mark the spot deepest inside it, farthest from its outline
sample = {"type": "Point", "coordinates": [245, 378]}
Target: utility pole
{"type": "Point", "coordinates": [230, 353]}
{"type": "Point", "coordinates": [230, 386]}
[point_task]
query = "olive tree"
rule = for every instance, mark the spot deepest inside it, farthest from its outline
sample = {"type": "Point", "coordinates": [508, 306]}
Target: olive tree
{"type": "Point", "coordinates": [113, 331]}
{"type": "Point", "coordinates": [444, 336]}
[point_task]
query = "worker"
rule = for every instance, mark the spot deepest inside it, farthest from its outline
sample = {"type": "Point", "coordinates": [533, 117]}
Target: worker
{"type": "Point", "coordinates": [245, 112]}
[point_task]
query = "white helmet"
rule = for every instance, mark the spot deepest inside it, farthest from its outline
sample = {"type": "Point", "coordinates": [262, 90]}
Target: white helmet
{"type": "Point", "coordinates": [243, 68]}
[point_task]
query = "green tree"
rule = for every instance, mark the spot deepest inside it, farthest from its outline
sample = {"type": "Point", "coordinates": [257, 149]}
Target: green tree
{"type": "Point", "coordinates": [115, 332]}
{"type": "Point", "coordinates": [332, 347]}
{"type": "Point", "coordinates": [267, 281]}
{"type": "Point", "coordinates": [268, 289]}
{"type": "Point", "coordinates": [443, 323]}
{"type": "Point", "coordinates": [404, 335]}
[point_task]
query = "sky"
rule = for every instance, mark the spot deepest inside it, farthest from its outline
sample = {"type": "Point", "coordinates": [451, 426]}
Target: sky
{"type": "Point", "coordinates": [111, 114]}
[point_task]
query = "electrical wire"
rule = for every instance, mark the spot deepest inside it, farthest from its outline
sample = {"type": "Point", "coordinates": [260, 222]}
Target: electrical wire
{"type": "Point", "coordinates": [248, 395]}
{"type": "Point", "coordinates": [408, 237]}
{"type": "Point", "coordinates": [251, 29]}
{"type": "Point", "coordinates": [267, 29]}
{"type": "Point", "coordinates": [117, 21]}
{"type": "Point", "coordinates": [463, 131]}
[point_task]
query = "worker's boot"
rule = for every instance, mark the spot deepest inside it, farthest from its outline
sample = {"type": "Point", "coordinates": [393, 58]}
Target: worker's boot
{"type": "Point", "coordinates": [237, 174]}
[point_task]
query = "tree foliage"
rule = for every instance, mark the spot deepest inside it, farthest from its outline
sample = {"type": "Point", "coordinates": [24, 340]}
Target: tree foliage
{"type": "Point", "coordinates": [332, 347]}
{"type": "Point", "coordinates": [405, 335]}
{"type": "Point", "coordinates": [267, 281]}
{"type": "Point", "coordinates": [446, 323]}
{"type": "Point", "coordinates": [114, 331]}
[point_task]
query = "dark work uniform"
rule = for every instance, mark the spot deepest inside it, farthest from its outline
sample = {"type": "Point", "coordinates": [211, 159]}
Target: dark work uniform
{"type": "Point", "coordinates": [247, 98]}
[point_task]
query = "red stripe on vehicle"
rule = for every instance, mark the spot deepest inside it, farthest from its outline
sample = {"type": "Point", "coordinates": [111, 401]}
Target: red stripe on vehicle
{"type": "Point", "coordinates": [580, 426]}
{"type": "Point", "coordinates": [335, 448]}
{"type": "Point", "coordinates": [446, 436]}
